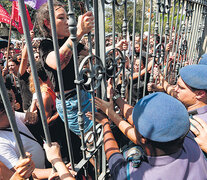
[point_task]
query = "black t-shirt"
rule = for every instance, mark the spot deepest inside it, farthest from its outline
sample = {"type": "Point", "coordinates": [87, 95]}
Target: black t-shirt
{"type": "Point", "coordinates": [25, 91]}
{"type": "Point", "coordinates": [68, 73]}
{"type": "Point", "coordinates": [12, 82]}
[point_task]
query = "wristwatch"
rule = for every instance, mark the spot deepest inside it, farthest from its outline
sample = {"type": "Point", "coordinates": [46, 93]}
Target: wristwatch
{"type": "Point", "coordinates": [115, 97]}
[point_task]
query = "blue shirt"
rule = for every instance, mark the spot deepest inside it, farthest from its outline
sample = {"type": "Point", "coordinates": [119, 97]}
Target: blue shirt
{"type": "Point", "coordinates": [202, 113]}
{"type": "Point", "coordinates": [188, 163]}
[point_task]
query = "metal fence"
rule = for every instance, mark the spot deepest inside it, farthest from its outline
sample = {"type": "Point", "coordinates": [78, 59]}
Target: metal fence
{"type": "Point", "coordinates": [177, 24]}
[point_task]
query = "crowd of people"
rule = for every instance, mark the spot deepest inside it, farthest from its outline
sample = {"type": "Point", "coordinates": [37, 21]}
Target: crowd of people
{"type": "Point", "coordinates": [165, 132]}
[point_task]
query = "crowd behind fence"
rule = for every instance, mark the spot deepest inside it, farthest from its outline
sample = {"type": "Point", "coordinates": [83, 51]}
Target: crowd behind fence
{"type": "Point", "coordinates": [172, 39]}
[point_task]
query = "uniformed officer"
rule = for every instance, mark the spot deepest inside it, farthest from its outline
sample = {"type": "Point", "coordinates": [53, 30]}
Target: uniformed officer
{"type": "Point", "coordinates": [191, 90]}
{"type": "Point", "coordinates": [161, 124]}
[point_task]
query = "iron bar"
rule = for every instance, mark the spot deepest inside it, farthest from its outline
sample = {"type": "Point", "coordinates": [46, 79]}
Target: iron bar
{"type": "Point", "coordinates": [155, 42]}
{"type": "Point", "coordinates": [141, 47]}
{"type": "Point", "coordinates": [124, 29]}
{"type": "Point", "coordinates": [133, 45]}
{"type": "Point", "coordinates": [33, 68]}
{"type": "Point", "coordinates": [11, 117]}
{"type": "Point", "coordinates": [175, 35]}
{"type": "Point", "coordinates": [73, 30]}
{"type": "Point", "coordinates": [147, 53]}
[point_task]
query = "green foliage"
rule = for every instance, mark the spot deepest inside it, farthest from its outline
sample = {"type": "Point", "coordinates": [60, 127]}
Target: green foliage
{"type": "Point", "coordinates": [7, 5]}
{"type": "Point", "coordinates": [119, 15]}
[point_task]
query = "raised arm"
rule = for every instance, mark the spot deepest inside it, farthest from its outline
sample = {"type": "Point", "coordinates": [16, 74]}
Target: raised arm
{"type": "Point", "coordinates": [24, 61]}
{"type": "Point", "coordinates": [164, 86]}
{"type": "Point", "coordinates": [85, 25]}
{"type": "Point", "coordinates": [54, 157]}
{"type": "Point", "coordinates": [125, 127]}
{"type": "Point", "coordinates": [125, 108]}
{"type": "Point", "coordinates": [110, 144]}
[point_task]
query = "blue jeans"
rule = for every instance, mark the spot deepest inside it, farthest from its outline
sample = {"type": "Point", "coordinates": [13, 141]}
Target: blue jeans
{"type": "Point", "coordinates": [72, 111]}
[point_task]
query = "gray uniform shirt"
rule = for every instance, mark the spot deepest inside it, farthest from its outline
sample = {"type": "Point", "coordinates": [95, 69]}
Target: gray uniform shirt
{"type": "Point", "coordinates": [188, 163]}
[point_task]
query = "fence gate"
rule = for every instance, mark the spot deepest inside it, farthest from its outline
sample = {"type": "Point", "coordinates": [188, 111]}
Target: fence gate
{"type": "Point", "coordinates": [170, 35]}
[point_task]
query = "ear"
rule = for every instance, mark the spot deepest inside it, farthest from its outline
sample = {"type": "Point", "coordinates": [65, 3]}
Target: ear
{"type": "Point", "coordinates": [47, 24]}
{"type": "Point", "coordinates": [143, 140]}
{"type": "Point", "coordinates": [200, 94]}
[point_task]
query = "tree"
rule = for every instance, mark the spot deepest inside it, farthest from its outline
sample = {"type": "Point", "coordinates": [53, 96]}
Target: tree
{"type": "Point", "coordinates": [119, 15]}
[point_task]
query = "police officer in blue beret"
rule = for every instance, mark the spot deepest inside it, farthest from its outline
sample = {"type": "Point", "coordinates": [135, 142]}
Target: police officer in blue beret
{"type": "Point", "coordinates": [191, 90]}
{"type": "Point", "coordinates": [161, 125]}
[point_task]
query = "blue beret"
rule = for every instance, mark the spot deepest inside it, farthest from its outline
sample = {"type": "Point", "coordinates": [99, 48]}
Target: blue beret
{"type": "Point", "coordinates": [195, 76]}
{"type": "Point", "coordinates": [160, 117]}
{"type": "Point", "coordinates": [203, 59]}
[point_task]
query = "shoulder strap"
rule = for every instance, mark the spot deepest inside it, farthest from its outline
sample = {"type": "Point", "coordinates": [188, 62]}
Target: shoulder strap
{"type": "Point", "coordinates": [20, 133]}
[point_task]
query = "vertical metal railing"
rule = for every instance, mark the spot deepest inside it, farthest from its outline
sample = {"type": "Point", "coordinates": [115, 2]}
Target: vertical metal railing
{"type": "Point", "coordinates": [155, 41]}
{"type": "Point", "coordinates": [33, 69]}
{"type": "Point", "coordinates": [190, 19]}
{"type": "Point", "coordinates": [176, 58]}
{"type": "Point", "coordinates": [182, 26]}
{"type": "Point", "coordinates": [133, 45]}
{"type": "Point", "coordinates": [11, 117]}
{"type": "Point", "coordinates": [60, 80]}
{"type": "Point", "coordinates": [141, 48]}
{"type": "Point", "coordinates": [147, 53]}
{"type": "Point", "coordinates": [124, 30]}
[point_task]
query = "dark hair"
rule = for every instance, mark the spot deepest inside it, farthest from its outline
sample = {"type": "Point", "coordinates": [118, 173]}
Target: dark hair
{"type": "Point", "coordinates": [14, 60]}
{"type": "Point", "coordinates": [2, 108]}
{"type": "Point", "coordinates": [167, 146]}
{"type": "Point", "coordinates": [43, 14]}
{"type": "Point", "coordinates": [195, 89]}
{"type": "Point", "coordinates": [41, 72]}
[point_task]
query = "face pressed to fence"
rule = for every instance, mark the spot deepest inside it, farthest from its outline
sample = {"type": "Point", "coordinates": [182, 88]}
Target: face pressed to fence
{"type": "Point", "coordinates": [136, 65]}
{"type": "Point", "coordinates": [184, 93]}
{"type": "Point", "coordinates": [61, 21]}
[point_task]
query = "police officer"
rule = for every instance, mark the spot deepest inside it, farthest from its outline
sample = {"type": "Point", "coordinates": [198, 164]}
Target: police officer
{"type": "Point", "coordinates": [161, 124]}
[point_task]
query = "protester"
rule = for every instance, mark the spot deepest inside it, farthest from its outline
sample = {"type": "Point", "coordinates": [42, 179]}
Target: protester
{"type": "Point", "coordinates": [9, 153]}
{"type": "Point", "coordinates": [54, 157]}
{"type": "Point", "coordinates": [23, 169]}
{"type": "Point", "coordinates": [23, 76]}
{"type": "Point", "coordinates": [12, 82]}
{"type": "Point", "coordinates": [48, 59]}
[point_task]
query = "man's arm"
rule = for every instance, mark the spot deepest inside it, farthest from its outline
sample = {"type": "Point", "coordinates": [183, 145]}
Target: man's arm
{"type": "Point", "coordinates": [110, 145]}
{"type": "Point", "coordinates": [164, 86]}
{"type": "Point", "coordinates": [125, 108]}
{"type": "Point", "coordinates": [24, 61]}
{"type": "Point", "coordinates": [126, 128]}
{"type": "Point", "coordinates": [54, 157]}
{"type": "Point", "coordinates": [169, 89]}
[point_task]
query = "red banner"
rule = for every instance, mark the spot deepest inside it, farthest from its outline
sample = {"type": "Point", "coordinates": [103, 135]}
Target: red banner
{"type": "Point", "coordinates": [5, 17]}
{"type": "Point", "coordinates": [15, 17]}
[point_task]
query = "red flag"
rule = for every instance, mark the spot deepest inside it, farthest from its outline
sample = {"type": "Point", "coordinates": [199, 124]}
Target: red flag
{"type": "Point", "coordinates": [15, 11]}
{"type": "Point", "coordinates": [16, 17]}
{"type": "Point", "coordinates": [5, 17]}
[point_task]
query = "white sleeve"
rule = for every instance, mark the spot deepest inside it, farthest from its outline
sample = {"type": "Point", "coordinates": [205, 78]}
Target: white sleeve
{"type": "Point", "coordinates": [20, 115]}
{"type": "Point", "coordinates": [8, 155]}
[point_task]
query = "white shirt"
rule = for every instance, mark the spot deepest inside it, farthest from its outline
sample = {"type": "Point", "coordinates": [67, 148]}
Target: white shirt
{"type": "Point", "coordinates": [9, 153]}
